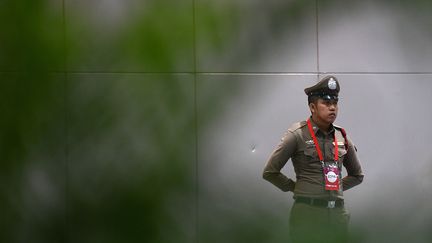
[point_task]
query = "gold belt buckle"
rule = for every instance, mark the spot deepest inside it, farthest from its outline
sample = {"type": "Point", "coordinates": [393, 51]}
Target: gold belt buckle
{"type": "Point", "coordinates": [331, 204]}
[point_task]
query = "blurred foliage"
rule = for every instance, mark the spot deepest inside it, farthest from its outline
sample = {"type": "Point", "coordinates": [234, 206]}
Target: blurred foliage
{"type": "Point", "coordinates": [32, 36]}
{"type": "Point", "coordinates": [97, 157]}
{"type": "Point", "coordinates": [148, 36]}
{"type": "Point", "coordinates": [32, 147]}
{"type": "Point", "coordinates": [111, 156]}
{"type": "Point", "coordinates": [132, 159]}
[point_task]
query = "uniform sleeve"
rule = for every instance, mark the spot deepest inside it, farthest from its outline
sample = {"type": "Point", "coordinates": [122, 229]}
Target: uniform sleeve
{"type": "Point", "coordinates": [353, 167]}
{"type": "Point", "coordinates": [277, 160]}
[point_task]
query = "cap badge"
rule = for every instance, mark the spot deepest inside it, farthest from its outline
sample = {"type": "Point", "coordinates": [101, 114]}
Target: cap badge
{"type": "Point", "coordinates": [332, 84]}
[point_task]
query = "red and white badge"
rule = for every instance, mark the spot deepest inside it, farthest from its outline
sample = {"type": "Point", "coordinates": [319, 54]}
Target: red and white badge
{"type": "Point", "coordinates": [331, 176]}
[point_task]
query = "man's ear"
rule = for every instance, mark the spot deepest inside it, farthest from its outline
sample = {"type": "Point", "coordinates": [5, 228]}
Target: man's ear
{"type": "Point", "coordinates": [312, 107]}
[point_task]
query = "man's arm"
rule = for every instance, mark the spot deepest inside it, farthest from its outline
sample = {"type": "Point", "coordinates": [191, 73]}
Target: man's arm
{"type": "Point", "coordinates": [353, 167]}
{"type": "Point", "coordinates": [277, 160]}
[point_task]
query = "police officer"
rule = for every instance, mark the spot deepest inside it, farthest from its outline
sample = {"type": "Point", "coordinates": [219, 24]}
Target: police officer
{"type": "Point", "coordinates": [318, 150]}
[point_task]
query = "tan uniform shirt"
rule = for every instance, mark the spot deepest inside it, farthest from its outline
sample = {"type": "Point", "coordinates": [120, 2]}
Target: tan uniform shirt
{"type": "Point", "coordinates": [298, 145]}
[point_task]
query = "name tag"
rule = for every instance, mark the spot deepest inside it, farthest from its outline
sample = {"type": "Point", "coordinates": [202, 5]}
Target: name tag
{"type": "Point", "coordinates": [331, 176]}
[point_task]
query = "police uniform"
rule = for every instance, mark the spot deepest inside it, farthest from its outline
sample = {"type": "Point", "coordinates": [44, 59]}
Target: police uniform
{"type": "Point", "coordinates": [318, 213]}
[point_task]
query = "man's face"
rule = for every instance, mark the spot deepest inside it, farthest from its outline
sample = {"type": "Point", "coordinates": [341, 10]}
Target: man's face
{"type": "Point", "coordinates": [325, 110]}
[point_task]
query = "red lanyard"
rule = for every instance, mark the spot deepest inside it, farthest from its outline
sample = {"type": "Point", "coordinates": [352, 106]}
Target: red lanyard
{"type": "Point", "coordinates": [318, 149]}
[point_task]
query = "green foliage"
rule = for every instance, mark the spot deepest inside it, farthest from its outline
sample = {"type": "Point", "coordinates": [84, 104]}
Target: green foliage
{"type": "Point", "coordinates": [100, 120]}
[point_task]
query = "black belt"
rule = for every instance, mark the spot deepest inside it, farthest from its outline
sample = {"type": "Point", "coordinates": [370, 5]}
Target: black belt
{"type": "Point", "coordinates": [320, 202]}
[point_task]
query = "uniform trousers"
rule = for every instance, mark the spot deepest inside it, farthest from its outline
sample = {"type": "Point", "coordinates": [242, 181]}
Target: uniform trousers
{"type": "Point", "coordinates": [318, 224]}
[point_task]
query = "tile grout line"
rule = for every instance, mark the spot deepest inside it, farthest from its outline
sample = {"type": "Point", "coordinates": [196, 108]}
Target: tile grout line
{"type": "Point", "coordinates": [317, 38]}
{"type": "Point", "coordinates": [229, 73]}
{"type": "Point", "coordinates": [195, 121]}
{"type": "Point", "coordinates": [66, 123]}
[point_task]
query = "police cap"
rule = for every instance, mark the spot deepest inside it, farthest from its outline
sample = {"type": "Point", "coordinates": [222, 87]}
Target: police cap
{"type": "Point", "coordinates": [327, 89]}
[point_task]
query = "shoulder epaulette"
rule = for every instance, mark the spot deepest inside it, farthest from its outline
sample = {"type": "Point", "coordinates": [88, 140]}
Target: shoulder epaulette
{"type": "Point", "coordinates": [343, 134]}
{"type": "Point", "coordinates": [296, 126]}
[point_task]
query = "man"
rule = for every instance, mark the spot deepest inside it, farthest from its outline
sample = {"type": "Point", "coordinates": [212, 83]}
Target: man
{"type": "Point", "coordinates": [318, 149]}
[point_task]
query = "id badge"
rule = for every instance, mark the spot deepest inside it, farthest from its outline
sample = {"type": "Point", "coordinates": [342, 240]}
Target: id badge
{"type": "Point", "coordinates": [331, 176]}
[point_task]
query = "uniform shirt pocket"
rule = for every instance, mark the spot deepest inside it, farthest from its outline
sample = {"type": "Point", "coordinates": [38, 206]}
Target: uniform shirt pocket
{"type": "Point", "coordinates": [342, 152]}
{"type": "Point", "coordinates": [310, 153]}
